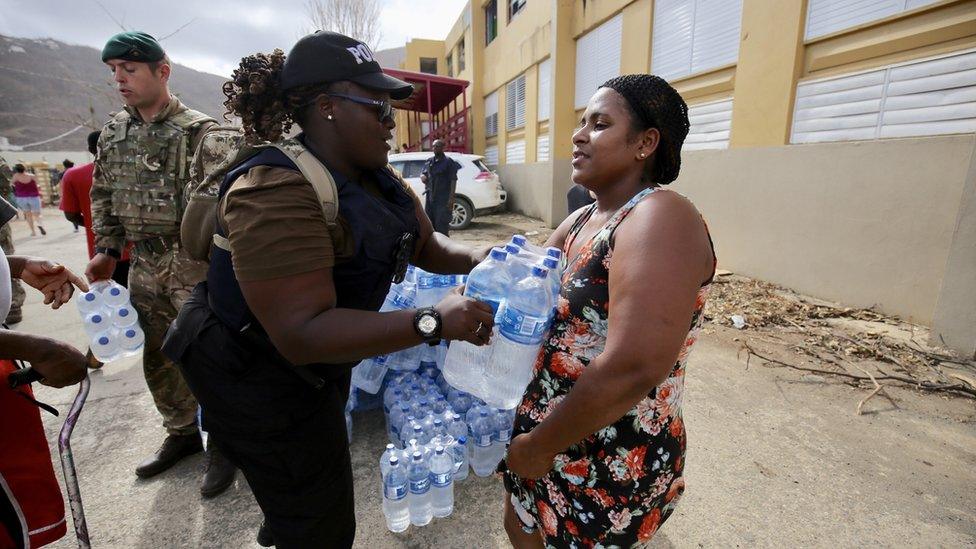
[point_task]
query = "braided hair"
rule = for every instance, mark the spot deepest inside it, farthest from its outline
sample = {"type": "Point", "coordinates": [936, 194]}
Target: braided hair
{"type": "Point", "coordinates": [653, 103]}
{"type": "Point", "coordinates": [254, 94]}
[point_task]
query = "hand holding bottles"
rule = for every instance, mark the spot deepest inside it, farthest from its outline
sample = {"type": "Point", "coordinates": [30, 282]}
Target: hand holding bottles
{"type": "Point", "coordinates": [466, 319]}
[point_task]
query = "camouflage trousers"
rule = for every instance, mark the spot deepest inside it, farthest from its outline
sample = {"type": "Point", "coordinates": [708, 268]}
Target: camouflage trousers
{"type": "Point", "coordinates": [7, 243]}
{"type": "Point", "coordinates": [159, 284]}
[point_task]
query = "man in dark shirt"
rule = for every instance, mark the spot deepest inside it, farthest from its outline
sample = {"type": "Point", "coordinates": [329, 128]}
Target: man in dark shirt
{"type": "Point", "coordinates": [440, 179]}
{"type": "Point", "coordinates": [577, 197]}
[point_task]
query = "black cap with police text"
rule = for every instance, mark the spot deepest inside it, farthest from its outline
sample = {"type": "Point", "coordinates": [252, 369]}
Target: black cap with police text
{"type": "Point", "coordinates": [133, 46]}
{"type": "Point", "coordinates": [326, 56]}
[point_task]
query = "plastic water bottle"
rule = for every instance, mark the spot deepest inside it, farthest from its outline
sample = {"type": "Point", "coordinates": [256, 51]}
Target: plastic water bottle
{"type": "Point", "coordinates": [398, 415]}
{"type": "Point", "coordinates": [503, 433]}
{"type": "Point", "coordinates": [461, 458]}
{"type": "Point", "coordinates": [395, 496]}
{"type": "Point", "coordinates": [518, 268]}
{"type": "Point", "coordinates": [524, 322]}
{"type": "Point", "coordinates": [350, 404]}
{"type": "Point", "coordinates": [105, 346]}
{"type": "Point", "coordinates": [524, 243]}
{"type": "Point", "coordinates": [457, 428]}
{"type": "Point", "coordinates": [97, 322]}
{"type": "Point", "coordinates": [131, 339]}
{"type": "Point", "coordinates": [419, 499]}
{"type": "Point", "coordinates": [115, 295]}
{"type": "Point", "coordinates": [489, 281]}
{"type": "Point", "coordinates": [482, 434]}
{"type": "Point", "coordinates": [89, 302]}
{"type": "Point", "coordinates": [124, 317]}
{"type": "Point", "coordinates": [555, 284]}
{"type": "Point", "coordinates": [389, 452]}
{"type": "Point", "coordinates": [368, 374]}
{"type": "Point", "coordinates": [442, 482]}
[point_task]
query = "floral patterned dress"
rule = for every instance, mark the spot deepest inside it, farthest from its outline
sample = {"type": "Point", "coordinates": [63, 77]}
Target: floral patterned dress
{"type": "Point", "coordinates": [616, 487]}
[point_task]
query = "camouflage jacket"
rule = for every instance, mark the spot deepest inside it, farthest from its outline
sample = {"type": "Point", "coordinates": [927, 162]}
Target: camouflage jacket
{"type": "Point", "coordinates": [141, 171]}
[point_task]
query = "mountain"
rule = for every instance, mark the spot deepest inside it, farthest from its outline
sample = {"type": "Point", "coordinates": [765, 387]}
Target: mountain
{"type": "Point", "coordinates": [49, 87]}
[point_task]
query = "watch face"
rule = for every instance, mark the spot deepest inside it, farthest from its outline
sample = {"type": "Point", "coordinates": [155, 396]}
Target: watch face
{"type": "Point", "coordinates": [427, 324]}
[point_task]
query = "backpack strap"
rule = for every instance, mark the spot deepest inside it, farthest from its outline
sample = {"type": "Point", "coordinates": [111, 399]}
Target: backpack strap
{"type": "Point", "coordinates": [320, 178]}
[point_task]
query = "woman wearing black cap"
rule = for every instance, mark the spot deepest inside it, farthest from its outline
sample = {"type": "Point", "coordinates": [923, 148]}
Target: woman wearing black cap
{"type": "Point", "coordinates": [288, 289]}
{"type": "Point", "coordinates": [599, 443]}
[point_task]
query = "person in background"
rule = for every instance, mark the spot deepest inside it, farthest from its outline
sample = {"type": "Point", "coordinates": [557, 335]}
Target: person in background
{"type": "Point", "coordinates": [67, 166]}
{"type": "Point", "coordinates": [76, 184]}
{"type": "Point", "coordinates": [578, 197]}
{"type": "Point", "coordinates": [7, 244]}
{"type": "Point", "coordinates": [28, 198]}
{"type": "Point", "coordinates": [598, 447]}
{"type": "Point", "coordinates": [152, 139]}
{"type": "Point", "coordinates": [31, 505]}
{"type": "Point", "coordinates": [440, 179]}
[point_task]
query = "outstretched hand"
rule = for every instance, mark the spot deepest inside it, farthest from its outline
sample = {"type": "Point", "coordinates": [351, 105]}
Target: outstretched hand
{"type": "Point", "coordinates": [54, 280]}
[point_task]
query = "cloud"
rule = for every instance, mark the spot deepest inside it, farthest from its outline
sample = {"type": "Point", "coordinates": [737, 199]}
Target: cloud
{"type": "Point", "coordinates": [219, 33]}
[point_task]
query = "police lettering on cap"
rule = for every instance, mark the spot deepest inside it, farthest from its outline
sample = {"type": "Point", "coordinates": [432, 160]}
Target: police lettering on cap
{"type": "Point", "coordinates": [325, 56]}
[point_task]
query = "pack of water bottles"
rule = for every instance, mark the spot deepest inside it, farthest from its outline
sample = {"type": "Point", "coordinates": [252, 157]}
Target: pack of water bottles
{"type": "Point", "coordinates": [521, 283]}
{"type": "Point", "coordinates": [436, 434]}
{"type": "Point", "coordinates": [418, 289]}
{"type": "Point", "coordinates": [111, 322]}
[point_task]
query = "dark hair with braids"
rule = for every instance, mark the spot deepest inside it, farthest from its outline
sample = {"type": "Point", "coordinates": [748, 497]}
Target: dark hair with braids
{"type": "Point", "coordinates": [653, 103]}
{"type": "Point", "coordinates": [253, 94]}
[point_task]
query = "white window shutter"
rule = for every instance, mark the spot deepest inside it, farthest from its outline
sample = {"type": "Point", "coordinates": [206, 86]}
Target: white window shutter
{"type": "Point", "coordinates": [545, 89]}
{"type": "Point", "coordinates": [515, 103]}
{"type": "Point", "coordinates": [491, 114]}
{"type": "Point", "coordinates": [828, 16]}
{"type": "Point", "coordinates": [933, 96]}
{"type": "Point", "coordinates": [711, 125]}
{"type": "Point", "coordinates": [597, 58]}
{"type": "Point", "coordinates": [542, 149]}
{"type": "Point", "coordinates": [691, 36]}
{"type": "Point", "coordinates": [716, 41]}
{"type": "Point", "coordinates": [515, 152]}
{"type": "Point", "coordinates": [491, 155]}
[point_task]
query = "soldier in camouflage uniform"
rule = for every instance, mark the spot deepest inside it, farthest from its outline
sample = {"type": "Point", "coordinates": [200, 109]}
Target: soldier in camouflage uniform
{"type": "Point", "coordinates": [7, 243]}
{"type": "Point", "coordinates": [142, 167]}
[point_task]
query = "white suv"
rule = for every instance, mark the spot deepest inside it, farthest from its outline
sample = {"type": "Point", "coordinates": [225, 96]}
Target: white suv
{"type": "Point", "coordinates": [478, 188]}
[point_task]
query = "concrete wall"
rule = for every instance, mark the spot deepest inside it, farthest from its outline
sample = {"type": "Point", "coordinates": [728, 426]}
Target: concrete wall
{"type": "Point", "coordinates": [865, 223]}
{"type": "Point", "coordinates": [529, 187]}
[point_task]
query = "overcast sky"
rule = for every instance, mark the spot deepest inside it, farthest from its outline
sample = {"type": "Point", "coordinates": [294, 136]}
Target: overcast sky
{"type": "Point", "coordinates": [221, 32]}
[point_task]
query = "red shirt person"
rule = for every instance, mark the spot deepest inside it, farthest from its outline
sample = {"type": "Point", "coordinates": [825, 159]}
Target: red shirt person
{"type": "Point", "coordinates": [76, 184]}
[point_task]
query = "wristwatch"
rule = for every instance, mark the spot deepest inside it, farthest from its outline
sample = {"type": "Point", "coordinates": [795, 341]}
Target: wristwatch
{"type": "Point", "coordinates": [427, 324]}
{"type": "Point", "coordinates": [108, 251]}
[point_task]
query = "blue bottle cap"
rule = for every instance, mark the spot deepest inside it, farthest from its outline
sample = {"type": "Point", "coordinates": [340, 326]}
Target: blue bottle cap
{"type": "Point", "coordinates": [394, 461]}
{"type": "Point", "coordinates": [438, 421]}
{"type": "Point", "coordinates": [512, 249]}
{"type": "Point", "coordinates": [550, 263]}
{"type": "Point", "coordinates": [123, 312]}
{"type": "Point", "coordinates": [540, 272]}
{"type": "Point", "coordinates": [417, 456]}
{"type": "Point", "coordinates": [130, 333]}
{"type": "Point", "coordinates": [519, 239]}
{"type": "Point", "coordinates": [90, 296]}
{"type": "Point", "coordinates": [552, 251]}
{"type": "Point", "coordinates": [498, 254]}
{"type": "Point", "coordinates": [462, 439]}
{"type": "Point", "coordinates": [439, 450]}
{"type": "Point", "coordinates": [103, 340]}
{"type": "Point", "coordinates": [96, 318]}
{"type": "Point", "coordinates": [115, 291]}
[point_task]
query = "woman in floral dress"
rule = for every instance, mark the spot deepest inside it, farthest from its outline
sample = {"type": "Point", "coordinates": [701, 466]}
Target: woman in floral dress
{"type": "Point", "coordinates": [598, 455]}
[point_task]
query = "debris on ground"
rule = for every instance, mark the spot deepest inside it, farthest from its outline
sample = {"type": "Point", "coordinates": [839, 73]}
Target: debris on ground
{"type": "Point", "coordinates": [861, 346]}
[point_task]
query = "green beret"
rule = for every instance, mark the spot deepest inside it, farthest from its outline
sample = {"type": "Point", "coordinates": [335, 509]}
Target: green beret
{"type": "Point", "coordinates": [133, 46]}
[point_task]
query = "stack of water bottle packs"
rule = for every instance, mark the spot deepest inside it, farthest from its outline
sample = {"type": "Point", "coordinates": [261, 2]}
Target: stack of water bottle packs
{"type": "Point", "coordinates": [111, 322]}
{"type": "Point", "coordinates": [436, 433]}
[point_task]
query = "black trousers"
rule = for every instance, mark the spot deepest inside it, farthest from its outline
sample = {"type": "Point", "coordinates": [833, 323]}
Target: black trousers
{"type": "Point", "coordinates": [286, 437]}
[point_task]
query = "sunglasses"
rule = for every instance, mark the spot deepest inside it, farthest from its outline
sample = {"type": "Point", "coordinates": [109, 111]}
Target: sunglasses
{"type": "Point", "coordinates": [384, 110]}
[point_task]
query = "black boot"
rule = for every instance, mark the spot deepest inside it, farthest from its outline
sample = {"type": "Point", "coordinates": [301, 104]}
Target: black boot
{"type": "Point", "coordinates": [173, 449]}
{"type": "Point", "coordinates": [265, 537]}
{"type": "Point", "coordinates": [218, 473]}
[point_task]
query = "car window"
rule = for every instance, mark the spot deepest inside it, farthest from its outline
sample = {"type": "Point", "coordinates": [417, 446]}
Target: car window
{"type": "Point", "coordinates": [398, 166]}
{"type": "Point", "coordinates": [481, 165]}
{"type": "Point", "coordinates": [413, 168]}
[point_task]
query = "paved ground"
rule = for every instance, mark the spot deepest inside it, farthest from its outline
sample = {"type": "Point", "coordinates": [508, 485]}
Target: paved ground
{"type": "Point", "coordinates": [774, 459]}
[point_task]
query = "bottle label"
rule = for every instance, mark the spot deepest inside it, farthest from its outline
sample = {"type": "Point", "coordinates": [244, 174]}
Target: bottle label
{"type": "Point", "coordinates": [476, 292]}
{"type": "Point", "coordinates": [395, 493]}
{"type": "Point", "coordinates": [522, 328]}
{"type": "Point", "coordinates": [484, 440]}
{"type": "Point", "coordinates": [420, 486]}
{"type": "Point", "coordinates": [504, 435]}
{"type": "Point", "coordinates": [441, 480]}
{"type": "Point", "coordinates": [402, 301]}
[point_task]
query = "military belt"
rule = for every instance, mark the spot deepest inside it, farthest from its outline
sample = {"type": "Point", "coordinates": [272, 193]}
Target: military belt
{"type": "Point", "coordinates": [156, 245]}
